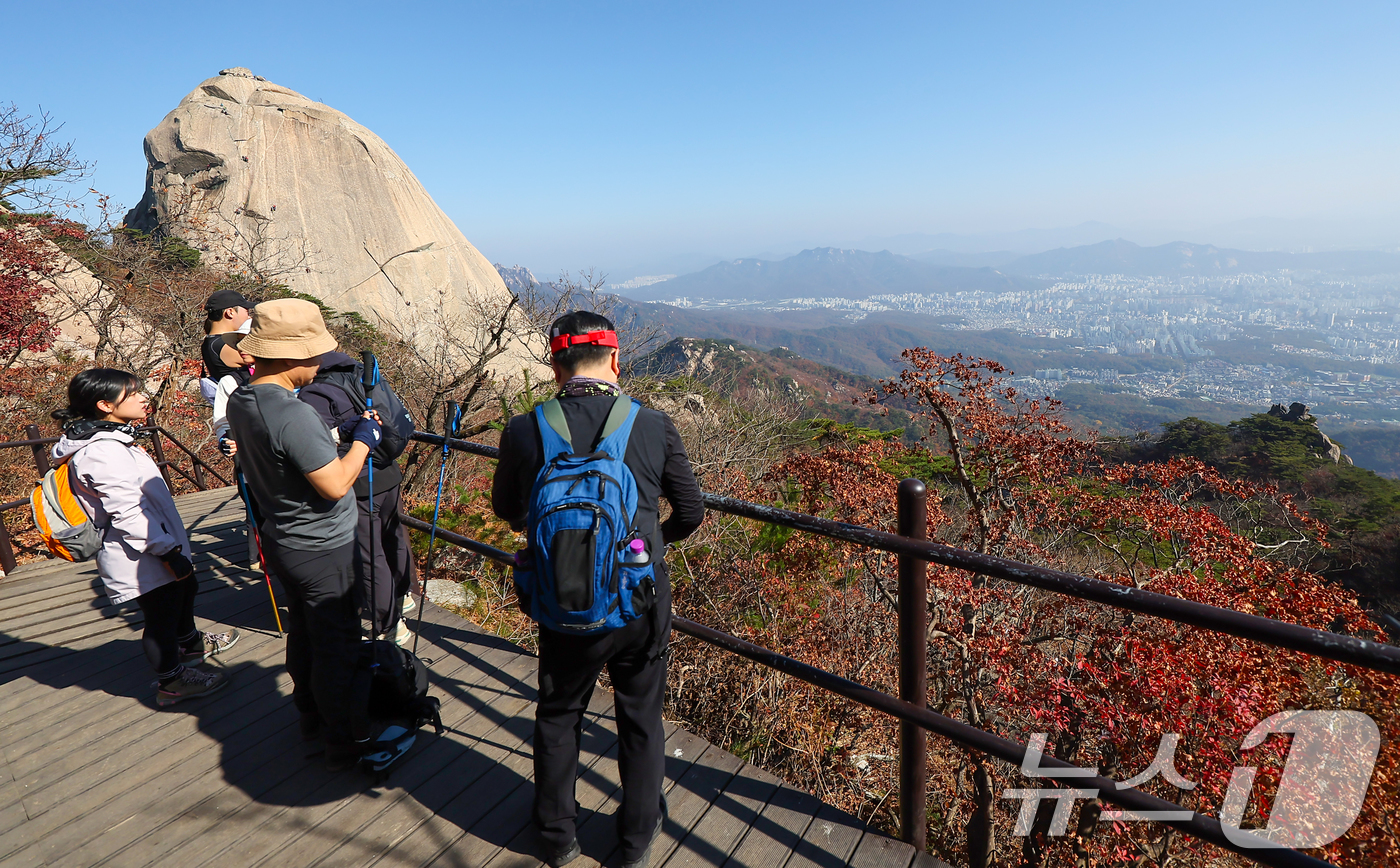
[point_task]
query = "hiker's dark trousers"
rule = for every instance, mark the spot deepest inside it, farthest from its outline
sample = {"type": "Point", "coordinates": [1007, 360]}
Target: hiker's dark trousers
{"type": "Point", "coordinates": [323, 631]}
{"type": "Point", "coordinates": [393, 559]}
{"type": "Point", "coordinates": [169, 612]}
{"type": "Point", "coordinates": [569, 666]}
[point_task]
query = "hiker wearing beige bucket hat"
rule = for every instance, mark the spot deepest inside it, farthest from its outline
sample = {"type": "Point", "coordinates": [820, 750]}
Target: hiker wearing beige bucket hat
{"type": "Point", "coordinates": [288, 328]}
{"type": "Point", "coordinates": [303, 490]}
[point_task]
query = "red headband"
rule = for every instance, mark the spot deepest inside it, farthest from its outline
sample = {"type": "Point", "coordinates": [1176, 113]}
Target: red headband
{"type": "Point", "coordinates": [602, 339]}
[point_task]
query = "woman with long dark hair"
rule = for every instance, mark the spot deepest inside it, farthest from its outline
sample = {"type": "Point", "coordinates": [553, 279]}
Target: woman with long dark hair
{"type": "Point", "coordinates": [145, 553]}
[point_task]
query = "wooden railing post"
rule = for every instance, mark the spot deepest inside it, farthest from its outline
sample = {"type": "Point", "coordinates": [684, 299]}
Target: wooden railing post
{"type": "Point", "coordinates": [41, 455]}
{"type": "Point", "coordinates": [199, 479]}
{"type": "Point", "coordinates": [7, 551]}
{"type": "Point", "coordinates": [160, 459]}
{"type": "Point", "coordinates": [913, 666]}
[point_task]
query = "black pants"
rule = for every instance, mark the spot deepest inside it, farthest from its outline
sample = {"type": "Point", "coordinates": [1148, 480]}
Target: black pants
{"type": "Point", "coordinates": [169, 612]}
{"type": "Point", "coordinates": [569, 666]}
{"type": "Point", "coordinates": [323, 631]}
{"type": "Point", "coordinates": [393, 559]}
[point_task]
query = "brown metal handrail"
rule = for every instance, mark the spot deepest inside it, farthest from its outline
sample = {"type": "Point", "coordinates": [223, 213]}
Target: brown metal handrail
{"type": "Point", "coordinates": [42, 466]}
{"type": "Point", "coordinates": [919, 716]}
{"type": "Point", "coordinates": [913, 552]}
{"type": "Point", "coordinates": [1346, 649]}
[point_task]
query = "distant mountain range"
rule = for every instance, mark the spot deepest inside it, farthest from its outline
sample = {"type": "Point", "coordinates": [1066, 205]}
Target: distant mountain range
{"type": "Point", "coordinates": [1180, 258]}
{"type": "Point", "coordinates": [828, 272]}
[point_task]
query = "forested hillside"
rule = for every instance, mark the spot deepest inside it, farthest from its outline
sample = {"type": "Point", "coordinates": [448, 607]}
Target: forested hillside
{"type": "Point", "coordinates": [1287, 449]}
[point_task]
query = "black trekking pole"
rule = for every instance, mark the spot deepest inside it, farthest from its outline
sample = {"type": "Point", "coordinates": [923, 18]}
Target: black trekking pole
{"type": "Point", "coordinates": [450, 424]}
{"type": "Point", "coordinates": [369, 378]}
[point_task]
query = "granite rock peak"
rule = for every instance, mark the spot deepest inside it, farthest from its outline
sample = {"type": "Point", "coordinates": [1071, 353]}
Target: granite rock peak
{"type": "Point", "coordinates": [275, 184]}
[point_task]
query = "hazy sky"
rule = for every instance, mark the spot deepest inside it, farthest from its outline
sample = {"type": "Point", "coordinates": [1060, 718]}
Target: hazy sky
{"type": "Point", "coordinates": [636, 136]}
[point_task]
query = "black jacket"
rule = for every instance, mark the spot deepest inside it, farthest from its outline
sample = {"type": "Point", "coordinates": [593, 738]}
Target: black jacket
{"type": "Point", "coordinates": [334, 407]}
{"type": "Point", "coordinates": [655, 455]}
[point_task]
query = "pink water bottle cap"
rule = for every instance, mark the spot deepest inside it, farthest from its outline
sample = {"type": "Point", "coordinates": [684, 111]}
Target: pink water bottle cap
{"type": "Point", "coordinates": [636, 545]}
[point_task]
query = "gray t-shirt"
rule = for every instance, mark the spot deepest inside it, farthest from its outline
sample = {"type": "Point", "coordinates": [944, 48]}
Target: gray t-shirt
{"type": "Point", "coordinates": [280, 440]}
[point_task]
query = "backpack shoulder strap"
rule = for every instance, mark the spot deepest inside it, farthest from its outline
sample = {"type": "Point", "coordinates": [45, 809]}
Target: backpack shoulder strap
{"type": "Point", "coordinates": [618, 428]}
{"type": "Point", "coordinates": [617, 416]}
{"type": "Point", "coordinates": [554, 429]}
{"type": "Point", "coordinates": [73, 510]}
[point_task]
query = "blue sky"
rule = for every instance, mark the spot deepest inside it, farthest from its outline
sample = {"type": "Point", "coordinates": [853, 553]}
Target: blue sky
{"type": "Point", "coordinates": [638, 137]}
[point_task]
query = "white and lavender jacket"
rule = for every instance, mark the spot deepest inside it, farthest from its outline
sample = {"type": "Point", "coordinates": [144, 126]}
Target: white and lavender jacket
{"type": "Point", "coordinates": [123, 492]}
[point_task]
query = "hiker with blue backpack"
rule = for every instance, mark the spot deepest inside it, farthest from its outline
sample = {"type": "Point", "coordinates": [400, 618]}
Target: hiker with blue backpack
{"type": "Point", "coordinates": [304, 490]}
{"type": "Point", "coordinates": [583, 475]}
{"type": "Point", "coordinates": [143, 552]}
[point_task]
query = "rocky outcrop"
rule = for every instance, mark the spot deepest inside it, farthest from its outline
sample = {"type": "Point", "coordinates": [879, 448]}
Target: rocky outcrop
{"type": "Point", "coordinates": [1297, 412]}
{"type": "Point", "coordinates": [84, 311]}
{"type": "Point", "coordinates": [1294, 412]}
{"type": "Point", "coordinates": [276, 184]}
{"type": "Point", "coordinates": [692, 357]}
{"type": "Point", "coordinates": [517, 278]}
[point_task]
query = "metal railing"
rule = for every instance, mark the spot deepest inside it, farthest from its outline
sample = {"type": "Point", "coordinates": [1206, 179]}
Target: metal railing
{"type": "Point", "coordinates": [39, 447]}
{"type": "Point", "coordinates": [914, 551]}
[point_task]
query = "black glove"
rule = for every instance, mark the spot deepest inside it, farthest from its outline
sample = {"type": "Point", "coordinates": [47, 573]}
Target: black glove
{"type": "Point", "coordinates": [226, 445]}
{"type": "Point", "coordinates": [367, 431]}
{"type": "Point", "coordinates": [178, 563]}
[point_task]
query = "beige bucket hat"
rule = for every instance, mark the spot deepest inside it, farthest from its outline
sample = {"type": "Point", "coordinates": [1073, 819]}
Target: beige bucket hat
{"type": "Point", "coordinates": [288, 328]}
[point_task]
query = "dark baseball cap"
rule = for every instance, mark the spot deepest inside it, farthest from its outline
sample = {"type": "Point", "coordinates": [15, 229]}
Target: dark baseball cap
{"type": "Point", "coordinates": [226, 298]}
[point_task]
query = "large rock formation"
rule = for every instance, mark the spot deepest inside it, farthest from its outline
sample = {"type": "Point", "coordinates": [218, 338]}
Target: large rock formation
{"type": "Point", "coordinates": [274, 183]}
{"type": "Point", "coordinates": [1297, 412]}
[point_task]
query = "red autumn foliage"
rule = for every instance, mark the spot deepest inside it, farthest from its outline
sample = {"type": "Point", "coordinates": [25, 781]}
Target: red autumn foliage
{"type": "Point", "coordinates": [1105, 685]}
{"type": "Point", "coordinates": [28, 260]}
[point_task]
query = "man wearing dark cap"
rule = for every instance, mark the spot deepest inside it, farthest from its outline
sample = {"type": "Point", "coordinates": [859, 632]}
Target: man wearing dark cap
{"type": "Point", "coordinates": [226, 313]}
{"type": "Point", "coordinates": [585, 361]}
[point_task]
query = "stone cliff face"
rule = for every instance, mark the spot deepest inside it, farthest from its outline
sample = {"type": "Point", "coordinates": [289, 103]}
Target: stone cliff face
{"type": "Point", "coordinates": [276, 183]}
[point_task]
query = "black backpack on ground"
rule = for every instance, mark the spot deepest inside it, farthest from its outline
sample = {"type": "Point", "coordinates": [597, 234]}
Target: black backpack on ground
{"type": "Point", "coordinates": [343, 371]}
{"type": "Point", "coordinates": [391, 690]}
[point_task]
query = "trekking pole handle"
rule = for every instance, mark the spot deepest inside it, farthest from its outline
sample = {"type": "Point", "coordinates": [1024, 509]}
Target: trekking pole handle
{"type": "Point", "coordinates": [453, 420]}
{"type": "Point", "coordinates": [369, 378]}
{"type": "Point", "coordinates": [369, 374]}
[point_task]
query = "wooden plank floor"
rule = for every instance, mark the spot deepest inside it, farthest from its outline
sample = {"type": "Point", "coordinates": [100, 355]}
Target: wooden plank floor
{"type": "Point", "coordinates": [92, 773]}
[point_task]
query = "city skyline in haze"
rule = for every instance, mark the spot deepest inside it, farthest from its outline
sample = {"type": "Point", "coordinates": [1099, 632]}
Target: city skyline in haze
{"type": "Point", "coordinates": [649, 139]}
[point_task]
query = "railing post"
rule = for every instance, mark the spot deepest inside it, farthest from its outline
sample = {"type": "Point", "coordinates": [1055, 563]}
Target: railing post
{"type": "Point", "coordinates": [7, 551]}
{"type": "Point", "coordinates": [41, 455]}
{"type": "Point", "coordinates": [913, 666]}
{"type": "Point", "coordinates": [199, 480]}
{"type": "Point", "coordinates": [160, 459]}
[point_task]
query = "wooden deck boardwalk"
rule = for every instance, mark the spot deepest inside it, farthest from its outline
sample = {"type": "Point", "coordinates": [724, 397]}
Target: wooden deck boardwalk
{"type": "Point", "coordinates": [92, 773]}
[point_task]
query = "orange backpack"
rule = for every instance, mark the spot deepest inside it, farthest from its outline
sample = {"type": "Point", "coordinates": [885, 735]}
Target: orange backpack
{"type": "Point", "coordinates": [63, 523]}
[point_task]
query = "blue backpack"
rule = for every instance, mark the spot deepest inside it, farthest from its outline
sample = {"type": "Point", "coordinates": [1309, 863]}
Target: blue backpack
{"type": "Point", "coordinates": [582, 572]}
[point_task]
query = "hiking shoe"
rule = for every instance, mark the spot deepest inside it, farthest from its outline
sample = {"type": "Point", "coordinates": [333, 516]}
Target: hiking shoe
{"type": "Point", "coordinates": [403, 634]}
{"type": "Point", "coordinates": [407, 603]}
{"type": "Point", "coordinates": [643, 860]}
{"type": "Point", "coordinates": [391, 744]}
{"type": "Point", "coordinates": [209, 645]}
{"type": "Point", "coordinates": [188, 684]}
{"type": "Point", "coordinates": [563, 857]}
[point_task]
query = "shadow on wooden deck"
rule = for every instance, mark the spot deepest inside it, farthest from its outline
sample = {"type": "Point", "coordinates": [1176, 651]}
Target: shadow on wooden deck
{"type": "Point", "coordinates": [92, 773]}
